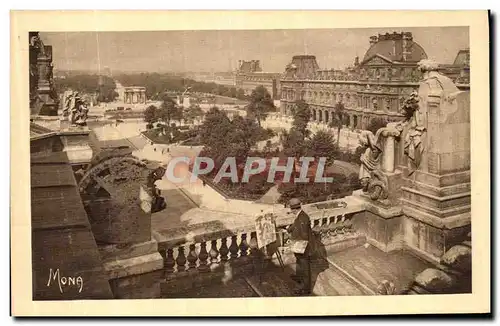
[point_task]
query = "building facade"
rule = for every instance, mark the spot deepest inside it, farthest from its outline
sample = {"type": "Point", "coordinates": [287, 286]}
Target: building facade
{"type": "Point", "coordinates": [250, 75]}
{"type": "Point", "coordinates": [374, 87]}
{"type": "Point", "coordinates": [135, 95]}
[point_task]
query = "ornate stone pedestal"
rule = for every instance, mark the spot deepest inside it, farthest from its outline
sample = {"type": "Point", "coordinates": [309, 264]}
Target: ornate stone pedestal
{"type": "Point", "coordinates": [436, 196]}
{"type": "Point", "coordinates": [382, 224]}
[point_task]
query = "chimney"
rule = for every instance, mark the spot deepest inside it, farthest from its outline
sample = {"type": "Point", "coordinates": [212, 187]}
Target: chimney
{"type": "Point", "coordinates": [373, 39]}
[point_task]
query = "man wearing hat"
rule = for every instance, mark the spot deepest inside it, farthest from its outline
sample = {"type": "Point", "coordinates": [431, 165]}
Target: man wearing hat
{"type": "Point", "coordinates": [301, 238]}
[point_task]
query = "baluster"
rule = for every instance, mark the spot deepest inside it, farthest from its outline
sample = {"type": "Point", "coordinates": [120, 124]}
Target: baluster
{"type": "Point", "coordinates": [324, 224]}
{"type": "Point", "coordinates": [214, 253]}
{"type": "Point", "coordinates": [192, 257]}
{"type": "Point", "coordinates": [203, 257]}
{"type": "Point", "coordinates": [233, 249]}
{"type": "Point", "coordinates": [224, 250]}
{"type": "Point", "coordinates": [169, 262]}
{"type": "Point", "coordinates": [331, 220]}
{"type": "Point", "coordinates": [243, 245]}
{"type": "Point", "coordinates": [341, 224]}
{"type": "Point", "coordinates": [348, 222]}
{"type": "Point", "coordinates": [181, 259]}
{"type": "Point", "coordinates": [253, 244]}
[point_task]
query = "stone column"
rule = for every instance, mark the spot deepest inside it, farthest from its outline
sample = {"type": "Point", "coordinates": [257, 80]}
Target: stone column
{"type": "Point", "coordinates": [351, 121]}
{"type": "Point", "coordinates": [389, 133]}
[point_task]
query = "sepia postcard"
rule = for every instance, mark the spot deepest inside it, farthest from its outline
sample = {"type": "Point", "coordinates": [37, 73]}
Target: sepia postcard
{"type": "Point", "coordinates": [250, 163]}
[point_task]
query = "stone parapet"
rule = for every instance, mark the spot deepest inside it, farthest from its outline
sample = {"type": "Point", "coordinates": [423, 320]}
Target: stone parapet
{"type": "Point", "coordinates": [134, 271]}
{"type": "Point", "coordinates": [452, 275]}
{"type": "Point", "coordinates": [382, 225]}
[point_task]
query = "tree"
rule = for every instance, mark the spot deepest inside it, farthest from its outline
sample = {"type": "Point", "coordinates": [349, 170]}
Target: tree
{"type": "Point", "coordinates": [151, 114]}
{"type": "Point", "coordinates": [193, 113]}
{"type": "Point", "coordinates": [301, 117]}
{"type": "Point", "coordinates": [240, 94]}
{"type": "Point", "coordinates": [322, 145]}
{"type": "Point", "coordinates": [376, 124]}
{"type": "Point", "coordinates": [243, 136]}
{"type": "Point", "coordinates": [294, 144]}
{"type": "Point", "coordinates": [169, 110]}
{"type": "Point", "coordinates": [214, 133]}
{"type": "Point", "coordinates": [337, 119]}
{"type": "Point", "coordinates": [261, 103]}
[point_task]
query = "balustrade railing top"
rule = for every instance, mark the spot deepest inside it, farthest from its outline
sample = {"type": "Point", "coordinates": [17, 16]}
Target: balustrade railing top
{"type": "Point", "coordinates": [233, 225]}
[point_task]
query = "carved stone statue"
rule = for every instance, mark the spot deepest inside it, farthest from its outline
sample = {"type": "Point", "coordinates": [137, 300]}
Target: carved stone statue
{"type": "Point", "coordinates": [75, 109]}
{"type": "Point", "coordinates": [370, 160]}
{"type": "Point", "coordinates": [378, 160]}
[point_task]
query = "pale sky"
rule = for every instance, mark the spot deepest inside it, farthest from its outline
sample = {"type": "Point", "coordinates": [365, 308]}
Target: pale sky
{"type": "Point", "coordinates": [179, 51]}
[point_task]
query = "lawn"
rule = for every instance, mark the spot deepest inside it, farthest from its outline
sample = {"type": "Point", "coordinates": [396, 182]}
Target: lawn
{"type": "Point", "coordinates": [155, 137]}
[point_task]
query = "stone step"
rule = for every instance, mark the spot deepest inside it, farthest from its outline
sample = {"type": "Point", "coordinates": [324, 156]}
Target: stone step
{"type": "Point", "coordinates": [332, 282]}
{"type": "Point", "coordinates": [272, 284]}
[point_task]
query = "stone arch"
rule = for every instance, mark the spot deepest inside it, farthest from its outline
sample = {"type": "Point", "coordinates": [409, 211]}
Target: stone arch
{"type": "Point", "coordinates": [303, 95]}
{"type": "Point", "coordinates": [355, 117]}
{"type": "Point", "coordinates": [320, 115]}
{"type": "Point", "coordinates": [327, 116]}
{"type": "Point", "coordinates": [313, 113]}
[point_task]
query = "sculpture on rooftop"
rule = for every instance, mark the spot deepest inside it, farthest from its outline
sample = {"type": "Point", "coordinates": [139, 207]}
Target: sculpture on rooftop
{"type": "Point", "coordinates": [75, 108]}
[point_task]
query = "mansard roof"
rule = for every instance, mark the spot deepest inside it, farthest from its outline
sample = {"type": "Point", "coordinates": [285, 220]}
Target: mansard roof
{"type": "Point", "coordinates": [393, 50]}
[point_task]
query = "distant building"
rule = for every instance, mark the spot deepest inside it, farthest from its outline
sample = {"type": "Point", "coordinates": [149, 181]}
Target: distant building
{"type": "Point", "coordinates": [249, 75]}
{"type": "Point", "coordinates": [106, 71]}
{"type": "Point", "coordinates": [374, 87]}
{"type": "Point", "coordinates": [134, 95]}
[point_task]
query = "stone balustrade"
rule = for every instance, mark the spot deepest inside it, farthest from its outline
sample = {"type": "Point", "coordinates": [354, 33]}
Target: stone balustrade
{"type": "Point", "coordinates": [197, 250]}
